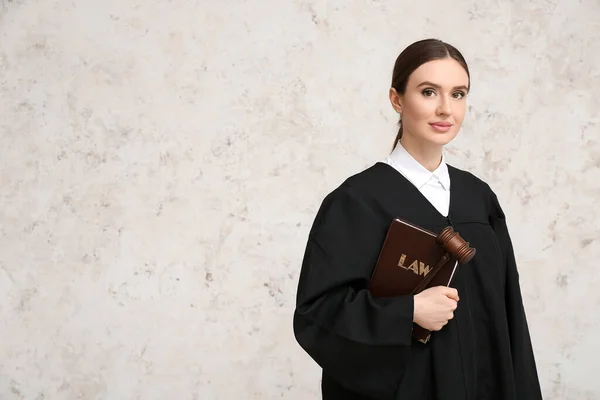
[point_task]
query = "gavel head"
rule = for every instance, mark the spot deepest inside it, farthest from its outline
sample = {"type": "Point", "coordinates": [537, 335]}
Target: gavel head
{"type": "Point", "coordinates": [455, 245]}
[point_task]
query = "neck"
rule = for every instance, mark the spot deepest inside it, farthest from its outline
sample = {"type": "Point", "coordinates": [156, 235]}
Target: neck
{"type": "Point", "coordinates": [427, 154]}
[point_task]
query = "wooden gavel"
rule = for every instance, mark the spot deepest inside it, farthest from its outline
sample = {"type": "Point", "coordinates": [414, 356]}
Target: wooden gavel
{"type": "Point", "coordinates": [455, 247]}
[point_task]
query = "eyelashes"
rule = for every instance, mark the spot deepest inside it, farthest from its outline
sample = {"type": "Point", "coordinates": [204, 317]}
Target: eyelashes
{"type": "Point", "coordinates": [431, 92]}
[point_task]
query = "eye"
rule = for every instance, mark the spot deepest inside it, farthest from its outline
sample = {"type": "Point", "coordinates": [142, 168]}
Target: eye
{"type": "Point", "coordinates": [459, 95]}
{"type": "Point", "coordinates": [428, 92]}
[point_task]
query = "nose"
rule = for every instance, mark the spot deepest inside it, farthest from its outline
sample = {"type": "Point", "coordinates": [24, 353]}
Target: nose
{"type": "Point", "coordinates": [444, 106]}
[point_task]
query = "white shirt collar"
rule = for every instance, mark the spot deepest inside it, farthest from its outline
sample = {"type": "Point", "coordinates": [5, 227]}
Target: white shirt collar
{"type": "Point", "coordinates": [415, 172]}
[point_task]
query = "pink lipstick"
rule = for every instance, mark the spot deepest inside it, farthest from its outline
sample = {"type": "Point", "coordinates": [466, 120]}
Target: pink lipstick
{"type": "Point", "coordinates": [441, 126]}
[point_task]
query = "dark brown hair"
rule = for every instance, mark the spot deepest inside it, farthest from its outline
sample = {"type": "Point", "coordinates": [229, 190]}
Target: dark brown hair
{"type": "Point", "coordinates": [416, 55]}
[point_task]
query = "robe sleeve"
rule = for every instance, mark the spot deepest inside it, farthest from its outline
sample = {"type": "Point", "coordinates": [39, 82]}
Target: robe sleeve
{"type": "Point", "coordinates": [357, 339]}
{"type": "Point", "coordinates": [523, 361]}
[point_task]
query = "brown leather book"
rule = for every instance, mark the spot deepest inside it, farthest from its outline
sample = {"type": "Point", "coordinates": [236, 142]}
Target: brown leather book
{"type": "Point", "coordinates": [411, 260]}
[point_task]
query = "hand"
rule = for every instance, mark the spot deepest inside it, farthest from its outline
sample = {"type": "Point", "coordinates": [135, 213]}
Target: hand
{"type": "Point", "coordinates": [434, 307]}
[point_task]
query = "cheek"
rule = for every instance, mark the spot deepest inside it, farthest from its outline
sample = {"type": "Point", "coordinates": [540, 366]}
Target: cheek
{"type": "Point", "coordinates": [459, 112]}
{"type": "Point", "coordinates": [420, 109]}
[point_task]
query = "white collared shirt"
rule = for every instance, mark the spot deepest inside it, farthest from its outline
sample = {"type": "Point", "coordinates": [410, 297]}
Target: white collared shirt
{"type": "Point", "coordinates": [435, 186]}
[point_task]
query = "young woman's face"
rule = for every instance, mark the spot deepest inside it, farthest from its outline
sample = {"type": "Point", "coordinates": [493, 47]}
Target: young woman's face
{"type": "Point", "coordinates": [434, 104]}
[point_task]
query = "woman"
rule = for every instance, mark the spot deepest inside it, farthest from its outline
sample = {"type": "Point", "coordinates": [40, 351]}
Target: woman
{"type": "Point", "coordinates": [480, 346]}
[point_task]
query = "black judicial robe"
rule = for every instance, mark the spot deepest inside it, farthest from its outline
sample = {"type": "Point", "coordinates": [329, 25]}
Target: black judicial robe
{"type": "Point", "coordinates": [364, 344]}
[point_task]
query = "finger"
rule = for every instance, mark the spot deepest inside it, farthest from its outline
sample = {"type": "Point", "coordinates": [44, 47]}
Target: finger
{"type": "Point", "coordinates": [451, 293]}
{"type": "Point", "coordinates": [450, 304]}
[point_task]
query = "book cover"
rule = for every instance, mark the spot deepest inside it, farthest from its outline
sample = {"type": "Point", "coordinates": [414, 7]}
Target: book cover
{"type": "Point", "coordinates": [408, 256]}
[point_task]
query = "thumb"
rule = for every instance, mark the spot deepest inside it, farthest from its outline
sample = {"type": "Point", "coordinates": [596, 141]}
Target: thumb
{"type": "Point", "coordinates": [451, 293]}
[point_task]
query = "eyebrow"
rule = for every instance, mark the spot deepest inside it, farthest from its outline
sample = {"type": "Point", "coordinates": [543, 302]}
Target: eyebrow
{"type": "Point", "coordinates": [427, 83]}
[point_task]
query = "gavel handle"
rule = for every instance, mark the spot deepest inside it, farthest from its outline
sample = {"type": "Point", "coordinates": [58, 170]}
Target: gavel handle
{"type": "Point", "coordinates": [445, 258]}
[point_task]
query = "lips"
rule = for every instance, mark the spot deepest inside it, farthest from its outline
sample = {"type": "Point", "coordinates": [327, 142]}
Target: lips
{"type": "Point", "coordinates": [441, 127]}
{"type": "Point", "coordinates": [441, 124]}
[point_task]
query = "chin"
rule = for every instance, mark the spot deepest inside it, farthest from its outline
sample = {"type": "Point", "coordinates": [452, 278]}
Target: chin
{"type": "Point", "coordinates": [440, 139]}
{"type": "Point", "coordinates": [427, 135]}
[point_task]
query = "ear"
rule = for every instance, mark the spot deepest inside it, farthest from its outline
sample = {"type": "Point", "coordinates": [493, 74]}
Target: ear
{"type": "Point", "coordinates": [396, 100]}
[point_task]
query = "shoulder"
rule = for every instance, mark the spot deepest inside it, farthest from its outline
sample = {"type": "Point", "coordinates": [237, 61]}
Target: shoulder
{"type": "Point", "coordinates": [359, 188]}
{"type": "Point", "coordinates": [370, 181]}
{"type": "Point", "coordinates": [468, 179]}
{"type": "Point", "coordinates": [470, 182]}
{"type": "Point", "coordinates": [349, 205]}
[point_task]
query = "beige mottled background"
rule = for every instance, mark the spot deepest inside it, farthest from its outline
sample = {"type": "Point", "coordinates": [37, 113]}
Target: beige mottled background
{"type": "Point", "coordinates": [161, 163]}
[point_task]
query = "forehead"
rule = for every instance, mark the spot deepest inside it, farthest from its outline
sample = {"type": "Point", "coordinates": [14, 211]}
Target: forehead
{"type": "Point", "coordinates": [447, 73]}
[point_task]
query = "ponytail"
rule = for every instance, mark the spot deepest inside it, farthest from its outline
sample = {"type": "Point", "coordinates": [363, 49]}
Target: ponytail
{"type": "Point", "coordinates": [398, 136]}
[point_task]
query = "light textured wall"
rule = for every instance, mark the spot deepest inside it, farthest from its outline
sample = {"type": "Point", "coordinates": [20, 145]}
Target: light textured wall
{"type": "Point", "coordinates": [161, 163]}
